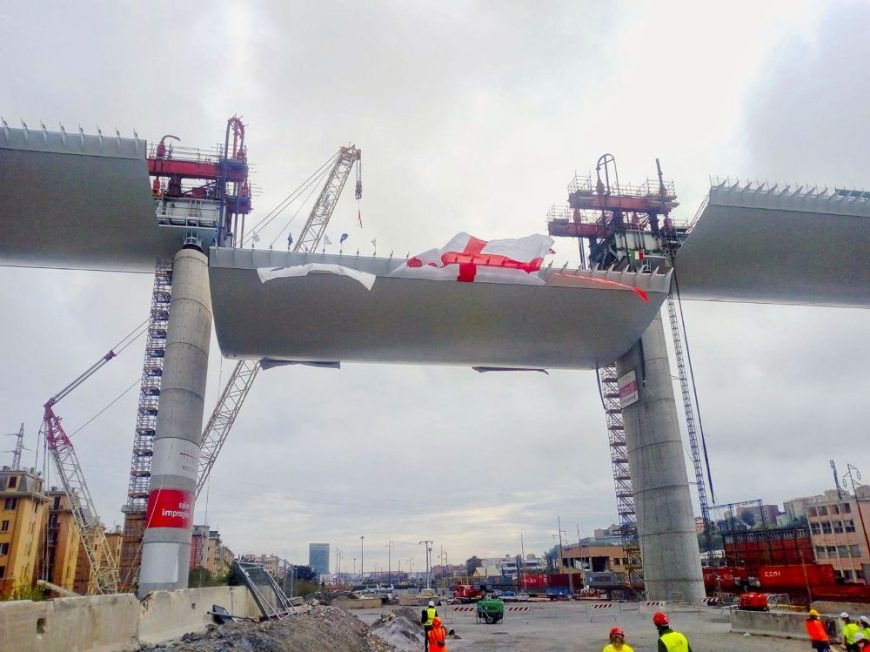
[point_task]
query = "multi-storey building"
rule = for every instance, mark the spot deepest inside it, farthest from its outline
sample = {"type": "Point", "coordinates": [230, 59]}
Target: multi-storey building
{"type": "Point", "coordinates": [595, 558]}
{"type": "Point", "coordinates": [62, 542]}
{"type": "Point", "coordinates": [23, 509]}
{"type": "Point", "coordinates": [318, 558]}
{"type": "Point", "coordinates": [838, 524]}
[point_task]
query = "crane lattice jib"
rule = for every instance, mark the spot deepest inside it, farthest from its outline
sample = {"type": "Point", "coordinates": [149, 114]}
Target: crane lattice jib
{"type": "Point", "coordinates": [625, 506]}
{"type": "Point", "coordinates": [99, 554]}
{"type": "Point", "coordinates": [221, 421]}
{"type": "Point", "coordinates": [691, 427]}
{"type": "Point", "coordinates": [315, 226]}
{"type": "Point", "coordinates": [242, 377]}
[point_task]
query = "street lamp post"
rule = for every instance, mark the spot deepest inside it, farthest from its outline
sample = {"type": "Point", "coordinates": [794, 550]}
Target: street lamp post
{"type": "Point", "coordinates": [362, 555]}
{"type": "Point", "coordinates": [389, 563]}
{"type": "Point", "coordinates": [427, 543]}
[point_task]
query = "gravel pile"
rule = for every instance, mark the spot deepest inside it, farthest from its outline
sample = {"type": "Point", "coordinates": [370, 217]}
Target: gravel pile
{"type": "Point", "coordinates": [322, 629]}
{"type": "Point", "coordinates": [400, 628]}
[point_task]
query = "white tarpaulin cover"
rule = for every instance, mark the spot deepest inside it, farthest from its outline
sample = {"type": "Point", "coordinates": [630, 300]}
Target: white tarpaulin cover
{"type": "Point", "coordinates": [331, 317]}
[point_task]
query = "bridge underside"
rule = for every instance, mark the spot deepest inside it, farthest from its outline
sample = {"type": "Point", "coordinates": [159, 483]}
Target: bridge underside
{"type": "Point", "coordinates": [766, 245]}
{"type": "Point", "coordinates": [72, 201]}
{"type": "Point", "coordinates": [328, 318]}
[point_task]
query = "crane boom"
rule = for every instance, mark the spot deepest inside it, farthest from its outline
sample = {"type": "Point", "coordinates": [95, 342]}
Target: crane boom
{"type": "Point", "coordinates": [99, 554]}
{"type": "Point", "coordinates": [239, 383]}
{"type": "Point", "coordinates": [315, 226]}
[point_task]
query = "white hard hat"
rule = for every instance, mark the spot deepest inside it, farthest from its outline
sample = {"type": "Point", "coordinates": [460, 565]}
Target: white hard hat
{"type": "Point", "coordinates": [431, 603]}
{"type": "Point", "coordinates": [864, 619]}
{"type": "Point", "coordinates": [858, 637]}
{"type": "Point", "coordinates": [844, 615]}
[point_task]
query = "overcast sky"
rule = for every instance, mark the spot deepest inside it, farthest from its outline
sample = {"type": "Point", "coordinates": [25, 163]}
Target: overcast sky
{"type": "Point", "coordinates": [471, 117]}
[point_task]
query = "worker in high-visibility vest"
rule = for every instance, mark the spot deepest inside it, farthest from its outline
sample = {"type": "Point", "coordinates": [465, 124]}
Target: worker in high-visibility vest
{"type": "Point", "coordinates": [817, 632]}
{"type": "Point", "coordinates": [865, 623]}
{"type": "Point", "coordinates": [617, 642]}
{"type": "Point", "coordinates": [850, 628]}
{"type": "Point", "coordinates": [437, 636]}
{"type": "Point", "coordinates": [669, 640]}
{"type": "Point", "coordinates": [427, 617]}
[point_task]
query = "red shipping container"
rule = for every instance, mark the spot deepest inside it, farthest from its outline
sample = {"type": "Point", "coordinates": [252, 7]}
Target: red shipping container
{"type": "Point", "coordinates": [796, 577]}
{"type": "Point", "coordinates": [531, 582]}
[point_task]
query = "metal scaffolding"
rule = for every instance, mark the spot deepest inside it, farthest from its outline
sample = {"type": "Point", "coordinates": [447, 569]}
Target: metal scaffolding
{"type": "Point", "coordinates": [608, 382]}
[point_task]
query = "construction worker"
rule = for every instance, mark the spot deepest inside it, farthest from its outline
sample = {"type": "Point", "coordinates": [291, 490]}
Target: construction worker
{"type": "Point", "coordinates": [861, 642]}
{"type": "Point", "coordinates": [865, 623]}
{"type": "Point", "coordinates": [817, 633]}
{"type": "Point", "coordinates": [850, 628]}
{"type": "Point", "coordinates": [669, 640]}
{"type": "Point", "coordinates": [617, 642]}
{"type": "Point", "coordinates": [427, 617]}
{"type": "Point", "coordinates": [437, 636]}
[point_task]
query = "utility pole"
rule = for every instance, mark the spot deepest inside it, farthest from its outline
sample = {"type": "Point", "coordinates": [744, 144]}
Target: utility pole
{"type": "Point", "coordinates": [427, 543]}
{"type": "Point", "coordinates": [362, 554]}
{"type": "Point", "coordinates": [851, 473]}
{"type": "Point", "coordinates": [19, 447]}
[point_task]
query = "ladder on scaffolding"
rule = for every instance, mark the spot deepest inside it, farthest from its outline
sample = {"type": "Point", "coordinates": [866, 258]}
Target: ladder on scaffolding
{"type": "Point", "coordinates": [139, 483]}
{"type": "Point", "coordinates": [608, 383]}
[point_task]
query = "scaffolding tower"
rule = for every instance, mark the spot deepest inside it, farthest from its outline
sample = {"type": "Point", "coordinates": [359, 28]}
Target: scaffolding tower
{"type": "Point", "coordinates": [146, 426]}
{"type": "Point", "coordinates": [609, 387]}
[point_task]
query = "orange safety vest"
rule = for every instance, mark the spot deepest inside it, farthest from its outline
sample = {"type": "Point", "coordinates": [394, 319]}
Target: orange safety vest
{"type": "Point", "coordinates": [816, 629]}
{"type": "Point", "coordinates": [437, 639]}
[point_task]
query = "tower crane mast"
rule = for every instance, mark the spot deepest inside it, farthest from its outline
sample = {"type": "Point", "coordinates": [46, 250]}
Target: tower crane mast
{"type": "Point", "coordinates": [241, 379]}
{"type": "Point", "coordinates": [97, 550]}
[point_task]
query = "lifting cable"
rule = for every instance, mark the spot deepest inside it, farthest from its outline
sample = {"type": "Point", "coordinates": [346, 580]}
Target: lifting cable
{"type": "Point", "coordinates": [271, 215]}
{"type": "Point", "coordinates": [312, 188]}
{"type": "Point", "coordinates": [126, 341]}
{"type": "Point", "coordinates": [694, 387]}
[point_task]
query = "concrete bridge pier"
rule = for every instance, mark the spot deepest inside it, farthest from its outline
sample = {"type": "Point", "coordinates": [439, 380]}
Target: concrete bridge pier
{"type": "Point", "coordinates": [169, 516]}
{"type": "Point", "coordinates": [665, 522]}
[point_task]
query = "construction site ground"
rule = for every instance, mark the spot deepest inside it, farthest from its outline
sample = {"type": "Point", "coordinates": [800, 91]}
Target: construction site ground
{"type": "Point", "coordinates": [545, 627]}
{"type": "Point", "coordinates": [575, 627]}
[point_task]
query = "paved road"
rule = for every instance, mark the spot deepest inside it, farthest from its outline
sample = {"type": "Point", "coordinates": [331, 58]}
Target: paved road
{"type": "Point", "coordinates": [574, 627]}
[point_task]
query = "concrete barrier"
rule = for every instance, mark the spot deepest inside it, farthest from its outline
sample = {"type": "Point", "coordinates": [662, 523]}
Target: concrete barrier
{"type": "Point", "coordinates": [169, 614]}
{"type": "Point", "coordinates": [358, 603]}
{"type": "Point", "coordinates": [782, 624]}
{"type": "Point", "coordinates": [102, 623]}
{"type": "Point", "coordinates": [109, 623]}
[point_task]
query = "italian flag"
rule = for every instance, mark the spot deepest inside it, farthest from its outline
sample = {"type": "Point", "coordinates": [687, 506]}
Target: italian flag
{"type": "Point", "coordinates": [635, 255]}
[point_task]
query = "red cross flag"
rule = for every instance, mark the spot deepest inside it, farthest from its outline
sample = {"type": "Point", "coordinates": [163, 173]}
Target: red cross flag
{"type": "Point", "coordinates": [468, 259]}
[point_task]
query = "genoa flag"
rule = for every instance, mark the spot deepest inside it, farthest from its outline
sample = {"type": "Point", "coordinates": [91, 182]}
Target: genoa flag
{"type": "Point", "coordinates": [468, 259]}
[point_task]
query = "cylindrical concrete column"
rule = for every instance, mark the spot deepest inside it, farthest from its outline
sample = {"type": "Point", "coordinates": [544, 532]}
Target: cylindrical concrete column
{"type": "Point", "coordinates": [169, 517]}
{"type": "Point", "coordinates": [665, 523]}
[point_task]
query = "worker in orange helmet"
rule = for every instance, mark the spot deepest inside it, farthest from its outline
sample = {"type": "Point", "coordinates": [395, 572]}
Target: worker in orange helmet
{"type": "Point", "coordinates": [669, 640]}
{"type": "Point", "coordinates": [617, 642]}
{"type": "Point", "coordinates": [437, 636]}
{"type": "Point", "coordinates": [817, 633]}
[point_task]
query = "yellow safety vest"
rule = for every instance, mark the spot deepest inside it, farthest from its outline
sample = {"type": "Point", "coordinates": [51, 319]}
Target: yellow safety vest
{"type": "Point", "coordinates": [849, 632]}
{"type": "Point", "coordinates": [430, 614]}
{"type": "Point", "coordinates": [675, 642]}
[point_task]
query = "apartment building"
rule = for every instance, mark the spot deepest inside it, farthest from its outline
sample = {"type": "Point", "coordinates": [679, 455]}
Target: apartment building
{"type": "Point", "coordinates": [838, 524]}
{"type": "Point", "coordinates": [23, 512]}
